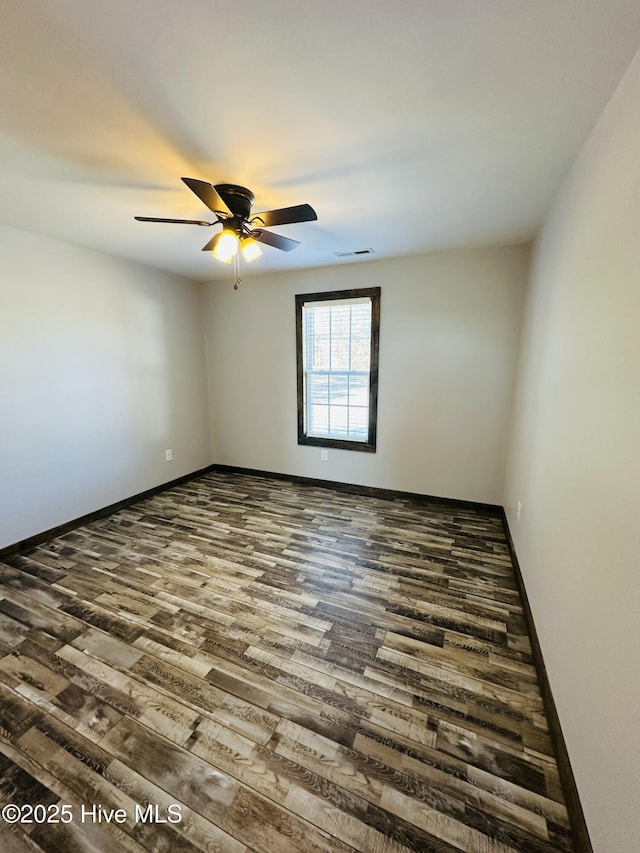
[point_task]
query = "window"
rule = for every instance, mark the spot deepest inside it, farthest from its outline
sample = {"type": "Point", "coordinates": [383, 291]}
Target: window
{"type": "Point", "coordinates": [337, 358]}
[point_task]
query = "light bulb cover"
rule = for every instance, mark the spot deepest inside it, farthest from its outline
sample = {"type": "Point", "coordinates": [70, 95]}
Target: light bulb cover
{"type": "Point", "coordinates": [250, 249]}
{"type": "Point", "coordinates": [225, 246]}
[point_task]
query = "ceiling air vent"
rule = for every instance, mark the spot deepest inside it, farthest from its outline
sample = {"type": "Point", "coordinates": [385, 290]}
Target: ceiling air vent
{"type": "Point", "coordinates": [354, 254]}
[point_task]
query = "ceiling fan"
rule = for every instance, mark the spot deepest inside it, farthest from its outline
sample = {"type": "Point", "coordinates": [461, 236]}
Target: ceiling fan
{"type": "Point", "coordinates": [240, 228]}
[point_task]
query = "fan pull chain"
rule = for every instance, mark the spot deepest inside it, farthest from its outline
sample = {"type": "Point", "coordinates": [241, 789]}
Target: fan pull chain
{"type": "Point", "coordinates": [236, 269]}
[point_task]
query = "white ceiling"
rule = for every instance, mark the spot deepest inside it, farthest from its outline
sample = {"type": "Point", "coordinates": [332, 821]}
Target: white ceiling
{"type": "Point", "coordinates": [409, 125]}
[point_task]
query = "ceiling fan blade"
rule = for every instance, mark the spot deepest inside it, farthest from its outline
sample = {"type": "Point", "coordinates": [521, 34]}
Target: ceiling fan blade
{"type": "Point", "coordinates": [178, 221]}
{"type": "Point", "coordinates": [286, 215]}
{"type": "Point", "coordinates": [275, 240]}
{"type": "Point", "coordinates": [208, 194]}
{"type": "Point", "coordinates": [209, 246]}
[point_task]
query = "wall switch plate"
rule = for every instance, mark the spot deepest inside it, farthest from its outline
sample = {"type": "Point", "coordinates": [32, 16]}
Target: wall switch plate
{"type": "Point", "coordinates": [168, 455]}
{"type": "Point", "coordinates": [324, 455]}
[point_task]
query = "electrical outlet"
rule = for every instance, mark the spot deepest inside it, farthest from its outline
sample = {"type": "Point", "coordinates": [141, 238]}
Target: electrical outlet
{"type": "Point", "coordinates": [168, 455]}
{"type": "Point", "coordinates": [324, 455]}
{"type": "Point", "coordinates": [518, 511]}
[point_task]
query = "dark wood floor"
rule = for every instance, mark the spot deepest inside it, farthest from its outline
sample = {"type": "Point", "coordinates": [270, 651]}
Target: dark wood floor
{"type": "Point", "coordinates": [273, 667]}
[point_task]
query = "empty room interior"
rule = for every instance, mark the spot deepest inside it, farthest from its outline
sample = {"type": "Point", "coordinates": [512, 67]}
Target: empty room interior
{"type": "Point", "coordinates": [334, 548]}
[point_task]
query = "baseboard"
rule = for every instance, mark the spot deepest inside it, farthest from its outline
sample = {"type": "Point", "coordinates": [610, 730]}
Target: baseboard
{"type": "Point", "coordinates": [27, 544]}
{"type": "Point", "coordinates": [31, 542]}
{"type": "Point", "coordinates": [579, 829]}
{"type": "Point", "coordinates": [352, 489]}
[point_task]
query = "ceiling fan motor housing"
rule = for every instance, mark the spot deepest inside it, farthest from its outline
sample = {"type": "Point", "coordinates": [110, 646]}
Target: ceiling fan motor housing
{"type": "Point", "coordinates": [238, 199]}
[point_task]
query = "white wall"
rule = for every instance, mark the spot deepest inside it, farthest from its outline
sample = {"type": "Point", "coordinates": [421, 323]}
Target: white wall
{"type": "Point", "coordinates": [101, 370]}
{"type": "Point", "coordinates": [448, 340]}
{"type": "Point", "coordinates": [574, 465]}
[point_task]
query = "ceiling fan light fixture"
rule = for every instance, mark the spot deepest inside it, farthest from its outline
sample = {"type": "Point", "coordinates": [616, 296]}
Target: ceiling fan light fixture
{"type": "Point", "coordinates": [250, 249]}
{"type": "Point", "coordinates": [225, 246]}
{"type": "Point", "coordinates": [232, 205]}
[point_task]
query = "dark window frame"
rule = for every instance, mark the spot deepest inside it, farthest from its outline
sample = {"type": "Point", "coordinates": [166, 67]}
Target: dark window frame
{"type": "Point", "coordinates": [373, 293]}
